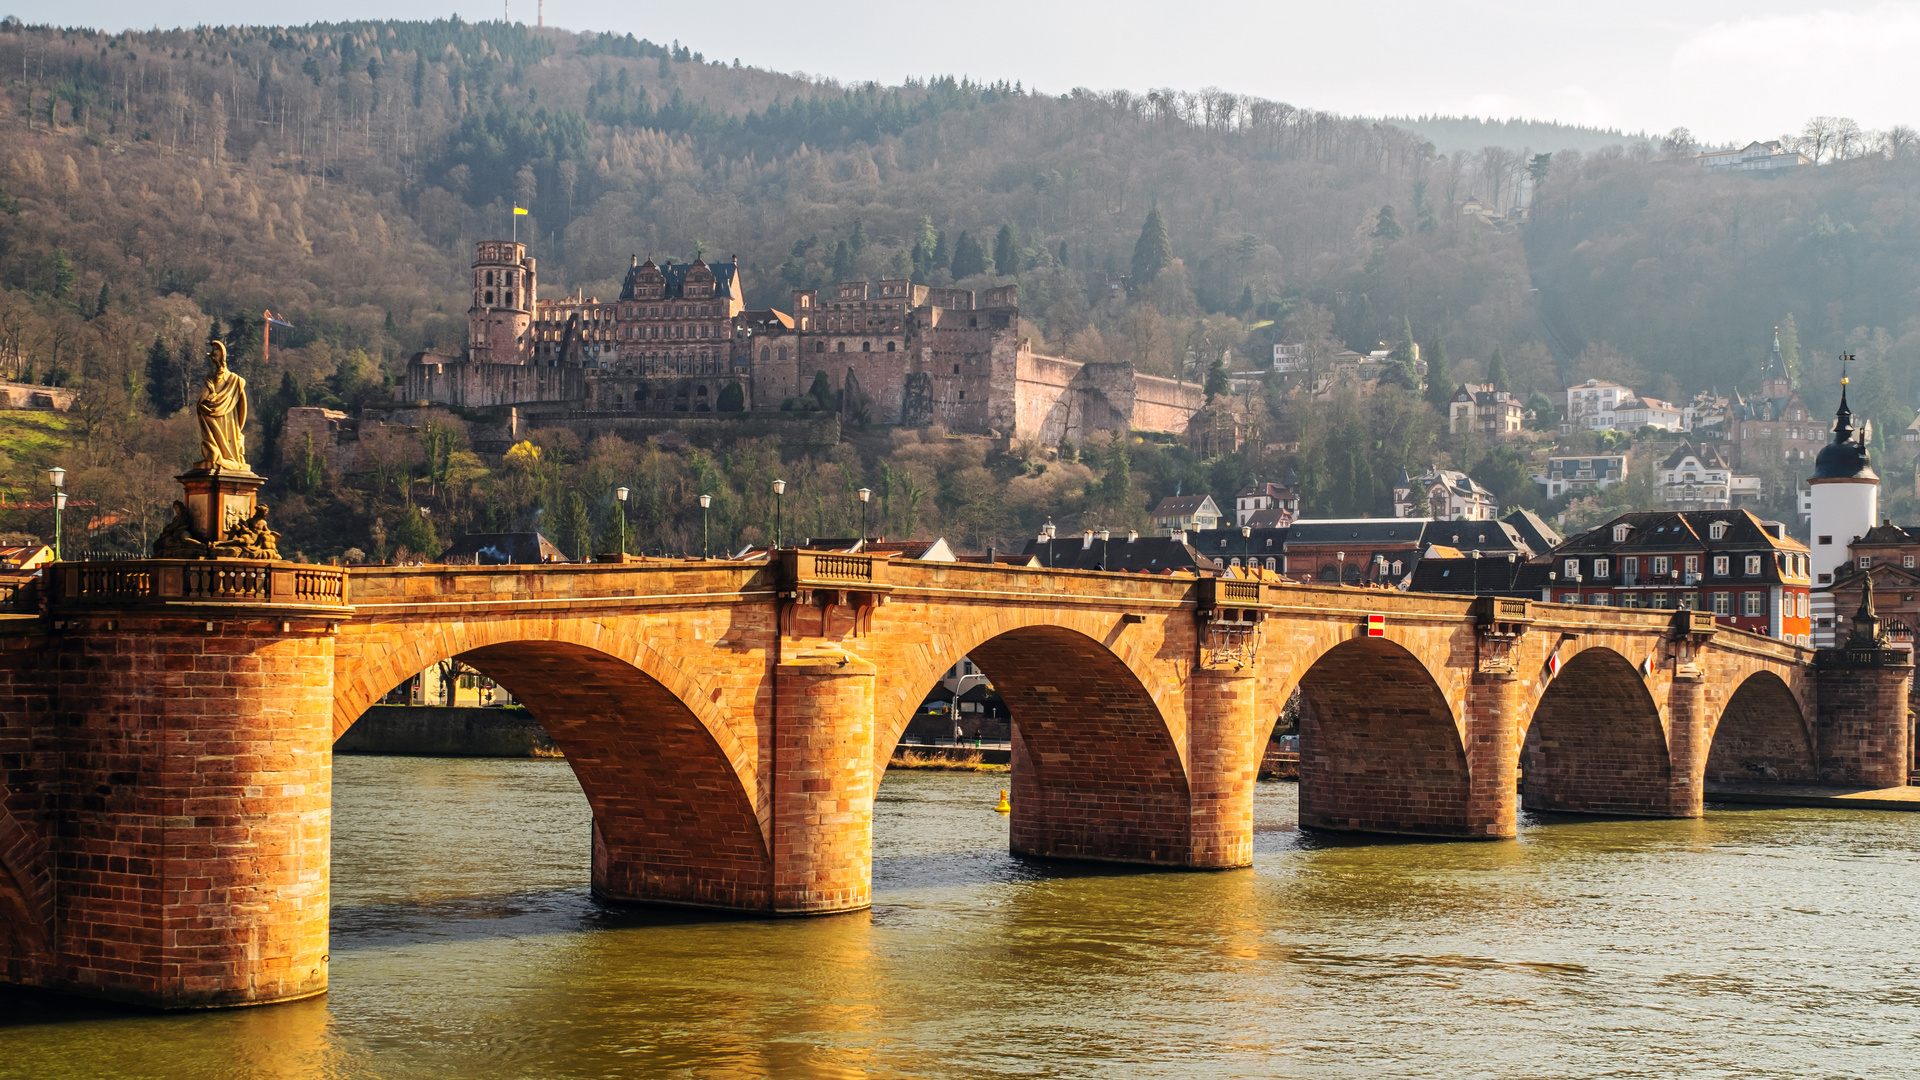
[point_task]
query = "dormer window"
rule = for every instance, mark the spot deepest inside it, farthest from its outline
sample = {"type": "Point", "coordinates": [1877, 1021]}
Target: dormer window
{"type": "Point", "coordinates": [1717, 530]}
{"type": "Point", "coordinates": [1620, 533]}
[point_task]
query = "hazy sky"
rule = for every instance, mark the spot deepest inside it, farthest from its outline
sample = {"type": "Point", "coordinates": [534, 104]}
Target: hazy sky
{"type": "Point", "coordinates": [1727, 70]}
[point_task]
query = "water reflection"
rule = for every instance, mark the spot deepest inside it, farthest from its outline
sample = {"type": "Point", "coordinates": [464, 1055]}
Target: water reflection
{"type": "Point", "coordinates": [1753, 943]}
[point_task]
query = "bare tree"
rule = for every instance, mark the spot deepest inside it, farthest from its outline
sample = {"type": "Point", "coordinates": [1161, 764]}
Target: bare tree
{"type": "Point", "coordinates": [1900, 141]}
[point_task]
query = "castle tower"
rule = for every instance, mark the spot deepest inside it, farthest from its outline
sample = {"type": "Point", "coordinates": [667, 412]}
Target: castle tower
{"type": "Point", "coordinates": [1846, 503]}
{"type": "Point", "coordinates": [1775, 381]}
{"type": "Point", "coordinates": [500, 321]}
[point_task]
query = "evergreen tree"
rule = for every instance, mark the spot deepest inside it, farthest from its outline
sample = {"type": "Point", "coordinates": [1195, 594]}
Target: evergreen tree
{"type": "Point", "coordinates": [1246, 301]}
{"type": "Point", "coordinates": [942, 254]}
{"type": "Point", "coordinates": [576, 527]}
{"type": "Point", "coordinates": [1401, 370]}
{"type": "Point", "coordinates": [1153, 252]}
{"type": "Point", "coordinates": [1387, 226]}
{"type": "Point", "coordinates": [1061, 255]}
{"type": "Point", "coordinates": [732, 398]}
{"type": "Point", "coordinates": [821, 391]}
{"type": "Point", "coordinates": [415, 533]}
{"type": "Point", "coordinates": [164, 391]}
{"type": "Point", "coordinates": [1116, 487]}
{"type": "Point", "coordinates": [842, 262]}
{"type": "Point", "coordinates": [1497, 370]}
{"type": "Point", "coordinates": [923, 235]}
{"type": "Point", "coordinates": [106, 297]}
{"type": "Point", "coordinates": [969, 258]}
{"type": "Point", "coordinates": [1439, 384]}
{"type": "Point", "coordinates": [1006, 261]}
{"type": "Point", "coordinates": [857, 242]}
{"type": "Point", "coordinates": [1217, 382]}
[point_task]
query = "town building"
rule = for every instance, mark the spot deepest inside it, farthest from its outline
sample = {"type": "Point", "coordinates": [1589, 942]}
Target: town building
{"type": "Point", "coordinates": [679, 341]}
{"type": "Point", "coordinates": [1583, 473]}
{"type": "Point", "coordinates": [1644, 412]}
{"type": "Point", "coordinates": [1766, 156]}
{"type": "Point", "coordinates": [1132, 553]}
{"type": "Point", "coordinates": [1591, 406]}
{"type": "Point", "coordinates": [1776, 424]}
{"type": "Point", "coordinates": [1698, 478]}
{"type": "Point", "coordinates": [1267, 504]}
{"type": "Point", "coordinates": [1749, 573]}
{"type": "Point", "coordinates": [1485, 411]}
{"type": "Point", "coordinates": [1889, 557]}
{"type": "Point", "coordinates": [1447, 494]}
{"type": "Point", "coordinates": [1185, 513]}
{"type": "Point", "coordinates": [1288, 359]}
{"type": "Point", "coordinates": [1369, 551]}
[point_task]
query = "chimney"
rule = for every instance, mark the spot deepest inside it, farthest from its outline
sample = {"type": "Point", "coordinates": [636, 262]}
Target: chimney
{"type": "Point", "coordinates": [1179, 536]}
{"type": "Point", "coordinates": [1132, 535]}
{"type": "Point", "coordinates": [1086, 541]}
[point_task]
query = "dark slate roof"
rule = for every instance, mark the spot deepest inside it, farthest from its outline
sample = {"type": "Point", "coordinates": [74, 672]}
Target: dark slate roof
{"type": "Point", "coordinates": [1494, 577]}
{"type": "Point", "coordinates": [1147, 553]}
{"type": "Point", "coordinates": [676, 275]}
{"type": "Point", "coordinates": [1538, 535]}
{"type": "Point", "coordinates": [1361, 532]}
{"type": "Point", "coordinates": [1180, 505]}
{"type": "Point", "coordinates": [1489, 537]}
{"type": "Point", "coordinates": [500, 549]}
{"type": "Point", "coordinates": [1706, 453]}
{"type": "Point", "coordinates": [1229, 544]}
{"type": "Point", "coordinates": [1846, 457]}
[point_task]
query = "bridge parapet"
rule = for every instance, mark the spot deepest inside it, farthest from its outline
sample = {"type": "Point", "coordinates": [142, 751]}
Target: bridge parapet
{"type": "Point", "coordinates": [227, 583]}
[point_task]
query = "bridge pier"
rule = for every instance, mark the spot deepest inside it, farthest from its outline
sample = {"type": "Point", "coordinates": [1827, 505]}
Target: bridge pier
{"type": "Point", "coordinates": [823, 784]}
{"type": "Point", "coordinates": [1861, 730]}
{"type": "Point", "coordinates": [193, 847]}
{"type": "Point", "coordinates": [1689, 735]}
{"type": "Point", "coordinates": [1223, 763]}
{"type": "Point", "coordinates": [1493, 733]}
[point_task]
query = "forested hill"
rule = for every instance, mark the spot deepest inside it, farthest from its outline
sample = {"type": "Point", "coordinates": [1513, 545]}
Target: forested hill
{"type": "Point", "coordinates": [338, 174]}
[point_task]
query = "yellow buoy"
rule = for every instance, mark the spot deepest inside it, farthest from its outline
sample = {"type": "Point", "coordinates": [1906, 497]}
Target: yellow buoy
{"type": "Point", "coordinates": [1004, 807]}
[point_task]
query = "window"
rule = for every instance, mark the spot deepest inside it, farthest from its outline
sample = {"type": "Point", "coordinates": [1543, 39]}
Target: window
{"type": "Point", "coordinates": [1273, 564]}
{"type": "Point", "coordinates": [1571, 570]}
{"type": "Point", "coordinates": [1396, 567]}
{"type": "Point", "coordinates": [1753, 603]}
{"type": "Point", "coordinates": [1602, 567]}
{"type": "Point", "coordinates": [1570, 598]}
{"type": "Point", "coordinates": [1598, 599]}
{"type": "Point", "coordinates": [1722, 603]}
{"type": "Point", "coordinates": [1753, 566]}
{"type": "Point", "coordinates": [1721, 565]}
{"type": "Point", "coordinates": [1687, 601]}
{"type": "Point", "coordinates": [1620, 533]}
{"type": "Point", "coordinates": [1717, 530]}
{"type": "Point", "coordinates": [839, 346]}
{"type": "Point", "coordinates": [1906, 561]}
{"type": "Point", "coordinates": [1866, 562]}
{"type": "Point", "coordinates": [1630, 565]}
{"type": "Point", "coordinates": [1826, 579]}
{"type": "Point", "coordinates": [1629, 600]}
{"type": "Point", "coordinates": [1657, 600]}
{"type": "Point", "coordinates": [1693, 564]}
{"type": "Point", "coordinates": [890, 346]}
{"type": "Point", "coordinates": [1826, 540]}
{"type": "Point", "coordinates": [1662, 565]}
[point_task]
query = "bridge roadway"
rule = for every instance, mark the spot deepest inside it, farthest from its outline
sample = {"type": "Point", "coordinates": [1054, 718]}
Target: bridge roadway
{"type": "Point", "coordinates": [167, 727]}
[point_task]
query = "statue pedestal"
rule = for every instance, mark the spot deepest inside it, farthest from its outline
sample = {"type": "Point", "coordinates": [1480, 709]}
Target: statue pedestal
{"type": "Point", "coordinates": [219, 501]}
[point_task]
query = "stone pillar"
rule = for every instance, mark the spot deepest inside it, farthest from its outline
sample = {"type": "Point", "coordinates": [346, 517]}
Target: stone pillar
{"type": "Point", "coordinates": [1493, 754]}
{"type": "Point", "coordinates": [193, 865]}
{"type": "Point", "coordinates": [1861, 730]}
{"type": "Point", "coordinates": [1223, 762]}
{"type": "Point", "coordinates": [823, 783]}
{"type": "Point", "coordinates": [1688, 741]}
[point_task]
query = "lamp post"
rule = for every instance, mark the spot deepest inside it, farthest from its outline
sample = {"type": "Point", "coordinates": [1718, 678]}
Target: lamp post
{"type": "Point", "coordinates": [866, 499]}
{"type": "Point", "coordinates": [621, 494]}
{"type": "Point", "coordinates": [1342, 556]}
{"type": "Point", "coordinates": [779, 489]}
{"type": "Point", "coordinates": [59, 477]}
{"type": "Point", "coordinates": [705, 501]}
{"type": "Point", "coordinates": [1476, 571]}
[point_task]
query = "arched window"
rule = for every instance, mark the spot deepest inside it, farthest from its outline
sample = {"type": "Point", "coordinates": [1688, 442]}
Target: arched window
{"type": "Point", "coordinates": [866, 346]}
{"type": "Point", "coordinates": [489, 277]}
{"type": "Point", "coordinates": [889, 346]}
{"type": "Point", "coordinates": [489, 296]}
{"type": "Point", "coordinates": [1329, 573]}
{"type": "Point", "coordinates": [839, 346]}
{"type": "Point", "coordinates": [765, 352]}
{"type": "Point", "coordinates": [783, 353]}
{"type": "Point", "coordinates": [819, 346]}
{"type": "Point", "coordinates": [1274, 565]}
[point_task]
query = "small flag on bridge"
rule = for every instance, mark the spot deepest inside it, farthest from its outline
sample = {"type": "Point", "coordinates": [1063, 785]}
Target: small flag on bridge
{"type": "Point", "coordinates": [1376, 626]}
{"type": "Point", "coordinates": [1646, 666]}
{"type": "Point", "coordinates": [1553, 665]}
{"type": "Point", "coordinates": [521, 211]}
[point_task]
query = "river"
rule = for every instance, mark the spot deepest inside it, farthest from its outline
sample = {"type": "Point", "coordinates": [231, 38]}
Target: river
{"type": "Point", "coordinates": [1754, 943]}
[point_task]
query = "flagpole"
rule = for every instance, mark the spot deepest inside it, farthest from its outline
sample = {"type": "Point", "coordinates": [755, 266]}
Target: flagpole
{"type": "Point", "coordinates": [516, 222]}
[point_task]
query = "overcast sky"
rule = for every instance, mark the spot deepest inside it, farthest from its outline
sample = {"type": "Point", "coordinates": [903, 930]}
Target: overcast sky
{"type": "Point", "coordinates": [1727, 70]}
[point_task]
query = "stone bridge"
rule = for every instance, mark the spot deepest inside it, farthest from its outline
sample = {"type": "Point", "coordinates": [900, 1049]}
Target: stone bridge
{"type": "Point", "coordinates": [166, 728]}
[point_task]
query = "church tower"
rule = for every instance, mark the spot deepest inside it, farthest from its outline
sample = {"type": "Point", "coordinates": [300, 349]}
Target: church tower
{"type": "Point", "coordinates": [500, 320]}
{"type": "Point", "coordinates": [1775, 381]}
{"type": "Point", "coordinates": [1846, 503]}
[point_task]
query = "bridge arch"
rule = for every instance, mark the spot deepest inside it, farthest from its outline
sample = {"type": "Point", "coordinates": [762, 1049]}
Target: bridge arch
{"type": "Point", "coordinates": [1380, 747]}
{"type": "Point", "coordinates": [1596, 742]}
{"type": "Point", "coordinates": [1099, 769]}
{"type": "Point", "coordinates": [26, 922]}
{"type": "Point", "coordinates": [1761, 735]}
{"type": "Point", "coordinates": [677, 814]}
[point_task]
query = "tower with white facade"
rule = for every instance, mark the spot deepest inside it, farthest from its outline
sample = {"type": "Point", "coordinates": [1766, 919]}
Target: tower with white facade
{"type": "Point", "coordinates": [1846, 503]}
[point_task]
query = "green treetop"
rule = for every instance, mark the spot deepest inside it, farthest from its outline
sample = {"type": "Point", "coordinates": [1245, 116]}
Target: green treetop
{"type": "Point", "coordinates": [1153, 252]}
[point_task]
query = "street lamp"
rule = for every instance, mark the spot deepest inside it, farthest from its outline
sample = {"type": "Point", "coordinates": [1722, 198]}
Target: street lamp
{"type": "Point", "coordinates": [621, 494]}
{"type": "Point", "coordinates": [866, 498]}
{"type": "Point", "coordinates": [59, 477]}
{"type": "Point", "coordinates": [705, 501]}
{"type": "Point", "coordinates": [779, 489]}
{"type": "Point", "coordinates": [1342, 556]}
{"type": "Point", "coordinates": [1476, 571]}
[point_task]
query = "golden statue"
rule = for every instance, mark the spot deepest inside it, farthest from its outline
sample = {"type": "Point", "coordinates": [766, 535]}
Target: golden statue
{"type": "Point", "coordinates": [223, 415]}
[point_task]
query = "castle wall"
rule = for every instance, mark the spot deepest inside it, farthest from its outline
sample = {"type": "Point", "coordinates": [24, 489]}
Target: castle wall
{"type": "Point", "coordinates": [483, 386]}
{"type": "Point", "coordinates": [1165, 404]}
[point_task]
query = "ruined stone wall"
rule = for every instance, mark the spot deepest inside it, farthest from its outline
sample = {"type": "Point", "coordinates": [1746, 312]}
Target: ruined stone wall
{"type": "Point", "coordinates": [1164, 404]}
{"type": "Point", "coordinates": [472, 385]}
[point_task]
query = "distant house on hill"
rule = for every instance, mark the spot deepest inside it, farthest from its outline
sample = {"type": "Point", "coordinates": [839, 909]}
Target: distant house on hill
{"type": "Point", "coordinates": [1185, 513]}
{"type": "Point", "coordinates": [1754, 157]}
{"type": "Point", "coordinates": [502, 549]}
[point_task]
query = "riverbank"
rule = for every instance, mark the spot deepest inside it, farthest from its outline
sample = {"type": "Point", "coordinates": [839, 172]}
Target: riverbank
{"type": "Point", "coordinates": [950, 759]}
{"type": "Point", "coordinates": [442, 731]}
{"type": "Point", "coordinates": [1827, 795]}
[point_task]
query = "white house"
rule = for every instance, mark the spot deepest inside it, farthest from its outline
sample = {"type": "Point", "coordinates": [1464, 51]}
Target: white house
{"type": "Point", "coordinates": [1591, 405]}
{"type": "Point", "coordinates": [1636, 413]}
{"type": "Point", "coordinates": [1446, 494]}
{"type": "Point", "coordinates": [1754, 157]}
{"type": "Point", "coordinates": [1699, 478]}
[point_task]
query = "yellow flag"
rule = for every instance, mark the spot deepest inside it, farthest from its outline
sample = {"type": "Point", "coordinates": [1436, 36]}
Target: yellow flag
{"type": "Point", "coordinates": [520, 211]}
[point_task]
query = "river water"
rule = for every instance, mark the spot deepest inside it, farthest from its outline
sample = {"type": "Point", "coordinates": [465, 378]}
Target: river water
{"type": "Point", "coordinates": [1754, 943]}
